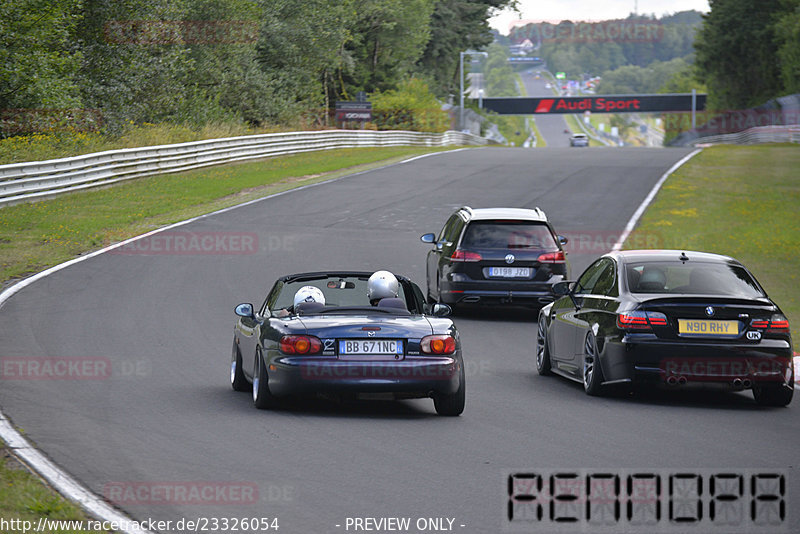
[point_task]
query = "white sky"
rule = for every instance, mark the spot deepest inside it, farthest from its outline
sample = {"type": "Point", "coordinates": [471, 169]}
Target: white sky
{"type": "Point", "coordinates": [587, 10]}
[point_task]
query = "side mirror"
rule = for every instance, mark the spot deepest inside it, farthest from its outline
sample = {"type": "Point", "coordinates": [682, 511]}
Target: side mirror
{"type": "Point", "coordinates": [562, 240]}
{"type": "Point", "coordinates": [428, 238]}
{"type": "Point", "coordinates": [440, 310]}
{"type": "Point", "coordinates": [244, 310]}
{"type": "Point", "coordinates": [561, 288]}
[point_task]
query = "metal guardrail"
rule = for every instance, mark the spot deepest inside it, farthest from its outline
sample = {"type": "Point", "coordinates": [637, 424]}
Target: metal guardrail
{"type": "Point", "coordinates": [759, 134]}
{"type": "Point", "coordinates": [21, 182]}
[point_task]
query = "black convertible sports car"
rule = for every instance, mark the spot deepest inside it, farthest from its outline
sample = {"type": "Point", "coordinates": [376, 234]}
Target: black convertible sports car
{"type": "Point", "coordinates": [401, 348]}
{"type": "Point", "coordinates": [670, 317]}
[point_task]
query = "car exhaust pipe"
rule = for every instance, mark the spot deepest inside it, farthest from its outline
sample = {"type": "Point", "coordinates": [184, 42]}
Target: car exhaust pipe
{"type": "Point", "coordinates": [747, 383]}
{"type": "Point", "coordinates": [737, 383]}
{"type": "Point", "coordinates": [471, 299]}
{"type": "Point", "coordinates": [682, 381]}
{"type": "Point", "coordinates": [672, 380]}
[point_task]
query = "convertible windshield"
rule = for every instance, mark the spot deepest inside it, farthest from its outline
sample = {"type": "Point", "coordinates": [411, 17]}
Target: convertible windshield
{"type": "Point", "coordinates": [692, 278]}
{"type": "Point", "coordinates": [338, 291]}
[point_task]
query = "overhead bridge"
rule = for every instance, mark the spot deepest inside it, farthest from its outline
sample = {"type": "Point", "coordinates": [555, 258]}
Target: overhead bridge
{"type": "Point", "coordinates": [597, 104]}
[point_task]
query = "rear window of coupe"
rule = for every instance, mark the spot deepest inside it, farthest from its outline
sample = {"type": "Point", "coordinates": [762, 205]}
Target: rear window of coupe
{"type": "Point", "coordinates": [508, 235]}
{"type": "Point", "coordinates": [692, 278]}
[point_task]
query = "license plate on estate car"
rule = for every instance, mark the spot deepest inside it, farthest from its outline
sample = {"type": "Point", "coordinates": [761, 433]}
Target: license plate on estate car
{"type": "Point", "coordinates": [704, 327]}
{"type": "Point", "coordinates": [370, 347]}
{"type": "Point", "coordinates": [510, 272]}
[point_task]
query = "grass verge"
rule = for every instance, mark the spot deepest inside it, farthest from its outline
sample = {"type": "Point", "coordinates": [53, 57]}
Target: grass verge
{"type": "Point", "coordinates": [741, 201]}
{"type": "Point", "coordinates": [540, 141]}
{"type": "Point", "coordinates": [23, 497]}
{"type": "Point", "coordinates": [37, 235]}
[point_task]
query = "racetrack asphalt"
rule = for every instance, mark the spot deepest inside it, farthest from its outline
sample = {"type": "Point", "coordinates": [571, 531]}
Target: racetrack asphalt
{"type": "Point", "coordinates": [552, 127]}
{"type": "Point", "coordinates": [154, 415]}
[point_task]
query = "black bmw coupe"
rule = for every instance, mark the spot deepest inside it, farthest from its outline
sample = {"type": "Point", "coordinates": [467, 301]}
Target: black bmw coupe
{"type": "Point", "coordinates": [398, 348]}
{"type": "Point", "coordinates": [669, 317]}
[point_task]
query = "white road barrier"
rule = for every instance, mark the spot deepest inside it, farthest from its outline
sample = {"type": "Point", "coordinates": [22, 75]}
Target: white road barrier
{"type": "Point", "coordinates": [21, 182]}
{"type": "Point", "coordinates": [759, 134]}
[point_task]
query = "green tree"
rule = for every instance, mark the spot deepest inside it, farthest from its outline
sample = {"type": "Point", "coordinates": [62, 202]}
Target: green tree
{"type": "Point", "coordinates": [787, 32]}
{"type": "Point", "coordinates": [649, 79]}
{"type": "Point", "coordinates": [683, 81]}
{"type": "Point", "coordinates": [499, 76]}
{"type": "Point", "coordinates": [37, 61]}
{"type": "Point", "coordinates": [737, 52]}
{"type": "Point", "coordinates": [576, 56]}
{"type": "Point", "coordinates": [455, 26]}
{"type": "Point", "coordinates": [134, 64]}
{"type": "Point", "coordinates": [389, 36]}
{"type": "Point", "coordinates": [303, 52]}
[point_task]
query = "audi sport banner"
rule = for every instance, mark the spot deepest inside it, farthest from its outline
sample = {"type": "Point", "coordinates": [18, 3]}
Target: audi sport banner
{"type": "Point", "coordinates": [595, 104]}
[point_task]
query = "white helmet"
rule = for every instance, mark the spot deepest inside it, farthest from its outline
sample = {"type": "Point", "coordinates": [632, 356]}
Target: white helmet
{"type": "Point", "coordinates": [381, 285]}
{"type": "Point", "coordinates": [309, 294]}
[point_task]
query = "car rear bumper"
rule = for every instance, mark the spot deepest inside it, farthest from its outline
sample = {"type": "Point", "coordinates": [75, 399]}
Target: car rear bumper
{"type": "Point", "coordinates": [498, 292]}
{"type": "Point", "coordinates": [684, 363]}
{"type": "Point", "coordinates": [414, 376]}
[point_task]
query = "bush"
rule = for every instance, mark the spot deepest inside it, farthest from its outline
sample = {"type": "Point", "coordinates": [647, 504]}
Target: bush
{"type": "Point", "coordinates": [411, 106]}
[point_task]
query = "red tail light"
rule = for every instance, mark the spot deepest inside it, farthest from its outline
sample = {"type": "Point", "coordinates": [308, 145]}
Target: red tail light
{"type": "Point", "coordinates": [778, 324]}
{"type": "Point", "coordinates": [553, 257]}
{"type": "Point", "coordinates": [305, 345]}
{"type": "Point", "coordinates": [465, 255]}
{"type": "Point", "coordinates": [438, 344]}
{"type": "Point", "coordinates": [639, 320]}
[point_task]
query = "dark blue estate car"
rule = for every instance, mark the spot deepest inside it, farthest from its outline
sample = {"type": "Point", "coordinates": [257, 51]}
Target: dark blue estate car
{"type": "Point", "coordinates": [402, 348]}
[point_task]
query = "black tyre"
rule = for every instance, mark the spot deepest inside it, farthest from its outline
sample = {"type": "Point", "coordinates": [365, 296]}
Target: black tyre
{"type": "Point", "coordinates": [774, 395]}
{"type": "Point", "coordinates": [238, 381]}
{"type": "Point", "coordinates": [262, 398]}
{"type": "Point", "coordinates": [592, 372]}
{"type": "Point", "coordinates": [542, 350]}
{"type": "Point", "coordinates": [451, 405]}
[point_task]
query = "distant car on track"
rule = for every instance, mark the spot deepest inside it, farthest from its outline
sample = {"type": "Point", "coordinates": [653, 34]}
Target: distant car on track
{"type": "Point", "coordinates": [667, 317]}
{"type": "Point", "coordinates": [400, 348]}
{"type": "Point", "coordinates": [579, 139]}
{"type": "Point", "coordinates": [495, 256]}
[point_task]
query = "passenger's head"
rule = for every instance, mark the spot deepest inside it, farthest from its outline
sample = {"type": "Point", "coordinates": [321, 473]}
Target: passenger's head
{"type": "Point", "coordinates": [308, 294]}
{"type": "Point", "coordinates": [382, 285]}
{"type": "Point", "coordinates": [653, 279]}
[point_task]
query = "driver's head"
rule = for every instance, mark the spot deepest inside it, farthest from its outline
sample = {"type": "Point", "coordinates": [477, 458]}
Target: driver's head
{"type": "Point", "coordinates": [382, 285]}
{"type": "Point", "coordinates": [308, 294]}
